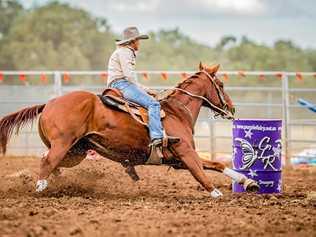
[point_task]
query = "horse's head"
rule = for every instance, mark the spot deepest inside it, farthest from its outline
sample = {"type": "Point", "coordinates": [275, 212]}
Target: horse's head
{"type": "Point", "coordinates": [215, 92]}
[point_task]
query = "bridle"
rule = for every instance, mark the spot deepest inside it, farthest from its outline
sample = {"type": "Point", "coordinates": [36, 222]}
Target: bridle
{"type": "Point", "coordinates": [224, 112]}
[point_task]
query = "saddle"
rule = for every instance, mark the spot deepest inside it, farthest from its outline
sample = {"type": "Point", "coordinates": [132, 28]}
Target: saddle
{"type": "Point", "coordinates": [114, 98]}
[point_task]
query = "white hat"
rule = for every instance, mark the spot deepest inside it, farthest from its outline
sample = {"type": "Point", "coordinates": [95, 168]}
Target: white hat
{"type": "Point", "coordinates": [129, 34]}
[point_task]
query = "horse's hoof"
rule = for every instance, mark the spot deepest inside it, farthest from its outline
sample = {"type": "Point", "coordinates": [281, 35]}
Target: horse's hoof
{"type": "Point", "coordinates": [251, 186]}
{"type": "Point", "coordinates": [41, 185]}
{"type": "Point", "coordinates": [216, 193]}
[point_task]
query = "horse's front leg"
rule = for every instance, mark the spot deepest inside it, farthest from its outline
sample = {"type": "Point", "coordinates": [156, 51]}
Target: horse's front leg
{"type": "Point", "coordinates": [192, 161]}
{"type": "Point", "coordinates": [248, 184]}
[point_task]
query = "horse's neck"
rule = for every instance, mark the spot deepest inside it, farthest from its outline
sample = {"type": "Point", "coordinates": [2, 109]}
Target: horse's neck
{"type": "Point", "coordinates": [192, 104]}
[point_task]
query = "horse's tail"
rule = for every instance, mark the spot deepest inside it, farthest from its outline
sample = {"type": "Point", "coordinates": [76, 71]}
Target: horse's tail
{"type": "Point", "coordinates": [16, 121]}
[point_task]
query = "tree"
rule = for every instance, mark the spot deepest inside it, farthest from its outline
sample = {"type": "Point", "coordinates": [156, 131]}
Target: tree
{"type": "Point", "coordinates": [9, 10]}
{"type": "Point", "coordinates": [225, 41]}
{"type": "Point", "coordinates": [57, 36]}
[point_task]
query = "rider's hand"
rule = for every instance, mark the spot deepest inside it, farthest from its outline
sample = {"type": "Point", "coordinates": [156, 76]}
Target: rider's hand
{"type": "Point", "coordinates": [152, 92]}
{"type": "Point", "coordinates": [149, 91]}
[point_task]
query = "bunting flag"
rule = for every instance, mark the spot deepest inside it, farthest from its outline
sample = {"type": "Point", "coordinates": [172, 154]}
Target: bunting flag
{"type": "Point", "coordinates": [279, 75]}
{"type": "Point", "coordinates": [164, 76]}
{"type": "Point", "coordinates": [104, 76]}
{"type": "Point", "coordinates": [22, 78]}
{"type": "Point", "coordinates": [43, 78]}
{"type": "Point", "coordinates": [262, 77]}
{"type": "Point", "coordinates": [1, 77]}
{"type": "Point", "coordinates": [184, 76]}
{"type": "Point", "coordinates": [145, 76]}
{"type": "Point", "coordinates": [241, 74]}
{"type": "Point", "coordinates": [299, 76]}
{"type": "Point", "coordinates": [225, 77]}
{"type": "Point", "coordinates": [66, 78]}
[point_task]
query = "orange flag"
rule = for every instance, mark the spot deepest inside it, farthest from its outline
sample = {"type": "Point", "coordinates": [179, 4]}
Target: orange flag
{"type": "Point", "coordinates": [1, 77]}
{"type": "Point", "coordinates": [299, 76]}
{"type": "Point", "coordinates": [66, 78]}
{"type": "Point", "coordinates": [262, 77]}
{"type": "Point", "coordinates": [104, 76]}
{"type": "Point", "coordinates": [22, 78]}
{"type": "Point", "coordinates": [279, 75]}
{"type": "Point", "coordinates": [242, 74]}
{"type": "Point", "coordinates": [145, 76]}
{"type": "Point", "coordinates": [43, 78]}
{"type": "Point", "coordinates": [225, 77]}
{"type": "Point", "coordinates": [164, 76]}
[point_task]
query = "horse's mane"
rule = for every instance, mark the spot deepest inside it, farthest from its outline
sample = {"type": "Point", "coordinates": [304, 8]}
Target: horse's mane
{"type": "Point", "coordinates": [165, 95]}
{"type": "Point", "coordinates": [188, 80]}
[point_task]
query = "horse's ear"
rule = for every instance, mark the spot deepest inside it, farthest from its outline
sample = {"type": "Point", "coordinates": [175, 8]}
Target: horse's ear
{"type": "Point", "coordinates": [201, 66]}
{"type": "Point", "coordinates": [214, 68]}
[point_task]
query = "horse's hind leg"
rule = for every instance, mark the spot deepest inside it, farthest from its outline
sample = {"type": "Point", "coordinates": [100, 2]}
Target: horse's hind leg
{"type": "Point", "coordinates": [50, 162]}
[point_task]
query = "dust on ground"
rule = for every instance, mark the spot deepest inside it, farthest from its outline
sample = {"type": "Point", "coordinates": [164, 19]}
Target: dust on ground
{"type": "Point", "coordinates": [97, 198]}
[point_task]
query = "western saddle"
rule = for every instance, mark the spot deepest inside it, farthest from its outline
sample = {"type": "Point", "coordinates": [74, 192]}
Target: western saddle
{"type": "Point", "coordinates": [113, 98]}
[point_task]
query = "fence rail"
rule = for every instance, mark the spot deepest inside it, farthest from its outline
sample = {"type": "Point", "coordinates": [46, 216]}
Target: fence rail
{"type": "Point", "coordinates": [283, 102]}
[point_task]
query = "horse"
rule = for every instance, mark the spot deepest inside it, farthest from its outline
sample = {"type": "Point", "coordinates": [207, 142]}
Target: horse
{"type": "Point", "coordinates": [71, 124]}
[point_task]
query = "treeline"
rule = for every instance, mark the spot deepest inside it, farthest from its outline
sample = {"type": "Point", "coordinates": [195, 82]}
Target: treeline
{"type": "Point", "coordinates": [58, 36]}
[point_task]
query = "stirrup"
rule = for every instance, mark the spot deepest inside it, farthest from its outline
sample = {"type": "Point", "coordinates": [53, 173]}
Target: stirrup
{"type": "Point", "coordinates": [164, 142]}
{"type": "Point", "coordinates": [156, 155]}
{"type": "Point", "coordinates": [156, 147]}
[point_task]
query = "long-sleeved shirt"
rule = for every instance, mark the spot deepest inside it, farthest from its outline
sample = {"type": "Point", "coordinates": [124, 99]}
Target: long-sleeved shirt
{"type": "Point", "coordinates": [122, 65]}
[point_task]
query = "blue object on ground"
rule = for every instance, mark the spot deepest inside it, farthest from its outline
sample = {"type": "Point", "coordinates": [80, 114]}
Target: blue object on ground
{"type": "Point", "coordinates": [307, 157]}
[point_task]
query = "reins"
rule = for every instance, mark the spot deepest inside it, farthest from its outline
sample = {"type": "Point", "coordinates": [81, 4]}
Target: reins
{"type": "Point", "coordinates": [214, 107]}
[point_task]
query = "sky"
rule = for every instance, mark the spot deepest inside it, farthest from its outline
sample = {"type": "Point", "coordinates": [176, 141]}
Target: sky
{"type": "Point", "coordinates": [206, 21]}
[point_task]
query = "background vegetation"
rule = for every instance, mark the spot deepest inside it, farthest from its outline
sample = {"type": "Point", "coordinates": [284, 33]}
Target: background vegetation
{"type": "Point", "coordinates": [59, 37]}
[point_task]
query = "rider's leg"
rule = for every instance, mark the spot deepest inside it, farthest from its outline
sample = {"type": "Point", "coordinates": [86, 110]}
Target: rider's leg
{"type": "Point", "coordinates": [136, 94]}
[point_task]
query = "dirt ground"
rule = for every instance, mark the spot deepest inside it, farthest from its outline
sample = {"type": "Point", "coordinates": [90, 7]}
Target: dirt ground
{"type": "Point", "coordinates": [97, 198]}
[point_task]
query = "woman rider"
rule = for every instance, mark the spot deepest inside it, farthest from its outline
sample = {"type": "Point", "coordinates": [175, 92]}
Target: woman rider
{"type": "Point", "coordinates": [121, 75]}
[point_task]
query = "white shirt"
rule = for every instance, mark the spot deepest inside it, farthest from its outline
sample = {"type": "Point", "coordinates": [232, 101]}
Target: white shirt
{"type": "Point", "coordinates": [122, 64]}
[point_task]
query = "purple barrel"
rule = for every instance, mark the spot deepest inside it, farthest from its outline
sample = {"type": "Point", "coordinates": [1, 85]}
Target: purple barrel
{"type": "Point", "coordinates": [257, 153]}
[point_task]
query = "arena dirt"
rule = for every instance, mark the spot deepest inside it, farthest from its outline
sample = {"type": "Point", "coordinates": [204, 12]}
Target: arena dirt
{"type": "Point", "coordinates": [97, 198]}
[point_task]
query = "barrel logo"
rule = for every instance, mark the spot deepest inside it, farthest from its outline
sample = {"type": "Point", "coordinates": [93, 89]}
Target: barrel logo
{"type": "Point", "coordinates": [257, 153]}
{"type": "Point", "coordinates": [263, 153]}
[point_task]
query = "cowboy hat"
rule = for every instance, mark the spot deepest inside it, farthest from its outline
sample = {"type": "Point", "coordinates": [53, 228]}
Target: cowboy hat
{"type": "Point", "coordinates": [129, 34]}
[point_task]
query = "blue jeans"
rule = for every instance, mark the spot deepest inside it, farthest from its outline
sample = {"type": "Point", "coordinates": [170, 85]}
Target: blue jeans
{"type": "Point", "coordinates": [135, 94]}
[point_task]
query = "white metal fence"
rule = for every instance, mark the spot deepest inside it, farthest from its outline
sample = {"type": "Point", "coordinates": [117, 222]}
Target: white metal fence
{"type": "Point", "coordinates": [271, 100]}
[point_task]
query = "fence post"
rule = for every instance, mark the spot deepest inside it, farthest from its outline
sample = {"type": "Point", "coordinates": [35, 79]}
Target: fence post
{"type": "Point", "coordinates": [57, 83]}
{"type": "Point", "coordinates": [270, 101]}
{"type": "Point", "coordinates": [286, 117]}
{"type": "Point", "coordinates": [212, 143]}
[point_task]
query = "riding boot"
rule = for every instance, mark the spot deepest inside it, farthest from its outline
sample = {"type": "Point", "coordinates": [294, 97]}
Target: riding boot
{"type": "Point", "coordinates": [166, 141]}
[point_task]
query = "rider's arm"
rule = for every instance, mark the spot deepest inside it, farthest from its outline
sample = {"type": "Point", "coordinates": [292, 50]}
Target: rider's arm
{"type": "Point", "coordinates": [127, 61]}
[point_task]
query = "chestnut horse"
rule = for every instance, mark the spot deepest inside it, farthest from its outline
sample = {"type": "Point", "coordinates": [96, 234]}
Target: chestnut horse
{"type": "Point", "coordinates": [71, 124]}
